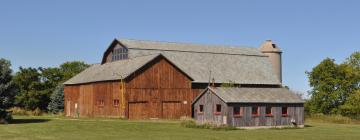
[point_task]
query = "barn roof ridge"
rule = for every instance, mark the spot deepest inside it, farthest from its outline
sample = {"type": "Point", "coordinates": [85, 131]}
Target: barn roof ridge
{"type": "Point", "coordinates": [190, 47]}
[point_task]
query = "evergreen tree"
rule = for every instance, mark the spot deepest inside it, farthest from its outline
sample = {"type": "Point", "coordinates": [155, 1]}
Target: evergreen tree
{"type": "Point", "coordinates": [8, 90]}
{"type": "Point", "coordinates": [57, 100]}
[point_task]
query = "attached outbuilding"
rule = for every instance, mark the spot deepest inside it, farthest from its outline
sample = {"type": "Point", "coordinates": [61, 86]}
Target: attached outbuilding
{"type": "Point", "coordinates": [249, 107]}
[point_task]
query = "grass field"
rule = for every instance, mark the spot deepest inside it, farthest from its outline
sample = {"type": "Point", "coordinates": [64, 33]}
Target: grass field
{"type": "Point", "coordinates": [53, 128]}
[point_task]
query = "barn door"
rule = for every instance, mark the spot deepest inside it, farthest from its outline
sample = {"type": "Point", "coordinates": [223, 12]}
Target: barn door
{"type": "Point", "coordinates": [68, 109]}
{"type": "Point", "coordinates": [171, 109]}
{"type": "Point", "coordinates": [138, 110]}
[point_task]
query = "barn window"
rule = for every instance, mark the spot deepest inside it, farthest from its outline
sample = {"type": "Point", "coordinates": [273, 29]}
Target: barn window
{"type": "Point", "coordinates": [100, 102]}
{"type": "Point", "coordinates": [201, 109]}
{"type": "Point", "coordinates": [237, 111]}
{"type": "Point", "coordinates": [217, 109]}
{"type": "Point", "coordinates": [119, 54]}
{"type": "Point", "coordinates": [116, 102]}
{"type": "Point", "coordinates": [255, 111]}
{"type": "Point", "coordinates": [284, 111]}
{"type": "Point", "coordinates": [268, 111]}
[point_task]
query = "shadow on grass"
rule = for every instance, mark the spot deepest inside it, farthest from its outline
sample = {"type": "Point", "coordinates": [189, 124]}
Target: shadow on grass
{"type": "Point", "coordinates": [306, 125]}
{"type": "Point", "coordinates": [25, 121]}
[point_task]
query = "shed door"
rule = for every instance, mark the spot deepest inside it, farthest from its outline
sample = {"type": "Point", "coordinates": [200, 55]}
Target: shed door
{"type": "Point", "coordinates": [138, 110]}
{"type": "Point", "coordinates": [171, 110]}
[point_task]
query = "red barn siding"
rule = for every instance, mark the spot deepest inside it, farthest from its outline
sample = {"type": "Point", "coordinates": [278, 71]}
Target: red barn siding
{"type": "Point", "coordinates": [157, 84]}
{"type": "Point", "coordinates": [158, 90]}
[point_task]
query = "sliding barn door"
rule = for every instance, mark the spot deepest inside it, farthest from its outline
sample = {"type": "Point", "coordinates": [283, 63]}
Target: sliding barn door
{"type": "Point", "coordinates": [138, 110]}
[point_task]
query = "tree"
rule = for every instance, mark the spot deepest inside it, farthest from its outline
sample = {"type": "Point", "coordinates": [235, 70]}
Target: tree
{"type": "Point", "coordinates": [38, 84]}
{"type": "Point", "coordinates": [70, 69]}
{"type": "Point", "coordinates": [322, 79]}
{"type": "Point", "coordinates": [57, 100]}
{"type": "Point", "coordinates": [31, 95]}
{"type": "Point", "coordinates": [351, 108]}
{"type": "Point", "coordinates": [8, 90]}
{"type": "Point", "coordinates": [334, 86]}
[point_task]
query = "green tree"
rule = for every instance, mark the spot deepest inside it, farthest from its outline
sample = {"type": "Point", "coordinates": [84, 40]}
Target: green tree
{"type": "Point", "coordinates": [57, 100]}
{"type": "Point", "coordinates": [351, 108]}
{"type": "Point", "coordinates": [323, 80]}
{"type": "Point", "coordinates": [31, 95]}
{"type": "Point", "coordinates": [70, 69]}
{"type": "Point", "coordinates": [38, 84]}
{"type": "Point", "coordinates": [8, 90]}
{"type": "Point", "coordinates": [333, 85]}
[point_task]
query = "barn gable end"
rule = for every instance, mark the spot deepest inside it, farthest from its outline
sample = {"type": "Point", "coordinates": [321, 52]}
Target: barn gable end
{"type": "Point", "coordinates": [159, 90]}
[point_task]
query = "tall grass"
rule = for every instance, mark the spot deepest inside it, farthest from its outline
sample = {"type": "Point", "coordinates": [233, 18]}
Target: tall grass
{"type": "Point", "coordinates": [21, 111]}
{"type": "Point", "coordinates": [331, 119]}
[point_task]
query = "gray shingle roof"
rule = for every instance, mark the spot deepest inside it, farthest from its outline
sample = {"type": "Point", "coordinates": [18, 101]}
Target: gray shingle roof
{"type": "Point", "coordinates": [188, 47]}
{"type": "Point", "coordinates": [111, 71]}
{"type": "Point", "coordinates": [241, 65]}
{"type": "Point", "coordinates": [257, 95]}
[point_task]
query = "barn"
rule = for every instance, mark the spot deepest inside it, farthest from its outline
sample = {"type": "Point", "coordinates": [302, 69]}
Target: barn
{"type": "Point", "coordinates": [140, 79]}
{"type": "Point", "coordinates": [249, 107]}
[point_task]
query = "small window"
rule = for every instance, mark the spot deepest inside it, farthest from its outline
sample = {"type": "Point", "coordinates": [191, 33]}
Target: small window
{"type": "Point", "coordinates": [201, 109]}
{"type": "Point", "coordinates": [100, 103]}
{"type": "Point", "coordinates": [119, 54]}
{"type": "Point", "coordinates": [237, 111]}
{"type": "Point", "coordinates": [255, 111]}
{"type": "Point", "coordinates": [217, 109]}
{"type": "Point", "coordinates": [116, 102]}
{"type": "Point", "coordinates": [268, 111]}
{"type": "Point", "coordinates": [284, 111]}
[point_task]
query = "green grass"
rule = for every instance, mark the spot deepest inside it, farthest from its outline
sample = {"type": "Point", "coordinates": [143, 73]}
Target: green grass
{"type": "Point", "coordinates": [53, 128]}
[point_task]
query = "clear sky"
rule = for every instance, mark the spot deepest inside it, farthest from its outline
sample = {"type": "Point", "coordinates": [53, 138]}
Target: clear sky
{"type": "Point", "coordinates": [43, 33]}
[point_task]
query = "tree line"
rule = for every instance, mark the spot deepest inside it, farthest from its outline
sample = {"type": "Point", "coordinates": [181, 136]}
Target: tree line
{"type": "Point", "coordinates": [335, 87]}
{"type": "Point", "coordinates": [34, 88]}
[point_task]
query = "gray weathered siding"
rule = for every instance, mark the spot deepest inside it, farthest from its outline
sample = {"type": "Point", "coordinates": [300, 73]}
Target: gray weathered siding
{"type": "Point", "coordinates": [295, 111]}
{"type": "Point", "coordinates": [209, 100]}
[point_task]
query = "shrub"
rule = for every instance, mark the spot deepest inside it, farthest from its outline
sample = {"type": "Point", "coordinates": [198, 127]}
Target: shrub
{"type": "Point", "coordinates": [36, 112]}
{"type": "Point", "coordinates": [18, 111]}
{"type": "Point", "coordinates": [21, 111]}
{"type": "Point", "coordinates": [191, 123]}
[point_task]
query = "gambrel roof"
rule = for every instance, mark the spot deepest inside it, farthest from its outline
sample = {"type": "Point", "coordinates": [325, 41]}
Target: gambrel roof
{"type": "Point", "coordinates": [200, 62]}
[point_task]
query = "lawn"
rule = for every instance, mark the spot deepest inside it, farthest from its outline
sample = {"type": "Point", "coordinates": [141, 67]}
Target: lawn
{"type": "Point", "coordinates": [53, 128]}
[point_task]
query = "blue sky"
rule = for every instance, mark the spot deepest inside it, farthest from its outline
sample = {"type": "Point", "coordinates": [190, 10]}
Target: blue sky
{"type": "Point", "coordinates": [43, 33]}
